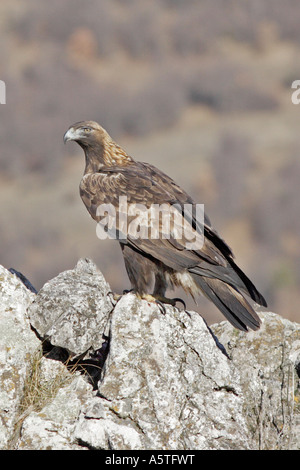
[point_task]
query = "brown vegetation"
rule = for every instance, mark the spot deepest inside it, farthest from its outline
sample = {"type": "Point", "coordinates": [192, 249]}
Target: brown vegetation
{"type": "Point", "coordinates": [210, 79]}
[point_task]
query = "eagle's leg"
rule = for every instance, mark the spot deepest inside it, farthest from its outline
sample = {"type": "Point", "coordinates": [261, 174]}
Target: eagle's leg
{"type": "Point", "coordinates": [160, 288]}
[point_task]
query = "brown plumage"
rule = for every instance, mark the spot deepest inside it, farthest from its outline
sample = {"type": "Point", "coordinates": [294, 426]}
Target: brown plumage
{"type": "Point", "coordinates": [154, 264]}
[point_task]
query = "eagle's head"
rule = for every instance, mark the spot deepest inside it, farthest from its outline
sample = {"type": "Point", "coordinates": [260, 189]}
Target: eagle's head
{"type": "Point", "coordinates": [86, 133]}
{"type": "Point", "coordinates": [97, 144]}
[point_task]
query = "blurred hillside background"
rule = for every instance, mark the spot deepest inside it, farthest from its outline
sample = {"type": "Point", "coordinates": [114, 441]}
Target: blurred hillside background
{"type": "Point", "coordinates": [200, 88]}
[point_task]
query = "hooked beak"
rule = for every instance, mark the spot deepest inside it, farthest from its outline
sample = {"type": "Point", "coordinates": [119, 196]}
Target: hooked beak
{"type": "Point", "coordinates": [70, 135]}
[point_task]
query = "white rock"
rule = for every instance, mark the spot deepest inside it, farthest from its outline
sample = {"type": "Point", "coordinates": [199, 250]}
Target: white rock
{"type": "Point", "coordinates": [72, 309]}
{"type": "Point", "coordinates": [169, 382]}
{"type": "Point", "coordinates": [18, 344]}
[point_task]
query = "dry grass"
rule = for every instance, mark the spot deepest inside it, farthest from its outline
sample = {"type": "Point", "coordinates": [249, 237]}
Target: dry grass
{"type": "Point", "coordinates": [39, 391]}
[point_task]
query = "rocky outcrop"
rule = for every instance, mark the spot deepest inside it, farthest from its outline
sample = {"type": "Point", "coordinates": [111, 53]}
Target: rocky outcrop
{"type": "Point", "coordinates": [80, 370]}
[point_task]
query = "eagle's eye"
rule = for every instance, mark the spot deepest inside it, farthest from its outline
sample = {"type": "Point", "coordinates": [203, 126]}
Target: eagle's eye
{"type": "Point", "coordinates": [86, 130]}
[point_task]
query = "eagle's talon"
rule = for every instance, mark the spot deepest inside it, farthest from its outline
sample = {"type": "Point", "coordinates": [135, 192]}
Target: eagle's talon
{"type": "Point", "coordinates": [161, 307]}
{"type": "Point", "coordinates": [126, 291]}
{"type": "Point", "coordinates": [115, 297]}
{"type": "Point", "coordinates": [172, 302]}
{"type": "Point", "coordinates": [161, 301]}
{"type": "Point", "coordinates": [177, 299]}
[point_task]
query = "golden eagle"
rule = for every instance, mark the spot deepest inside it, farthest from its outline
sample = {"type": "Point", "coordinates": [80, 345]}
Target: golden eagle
{"type": "Point", "coordinates": [155, 263]}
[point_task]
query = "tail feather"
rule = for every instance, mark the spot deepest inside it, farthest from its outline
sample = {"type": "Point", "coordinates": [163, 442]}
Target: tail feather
{"type": "Point", "coordinates": [231, 275]}
{"type": "Point", "coordinates": [230, 302]}
{"type": "Point", "coordinates": [237, 276]}
{"type": "Point", "coordinates": [250, 287]}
